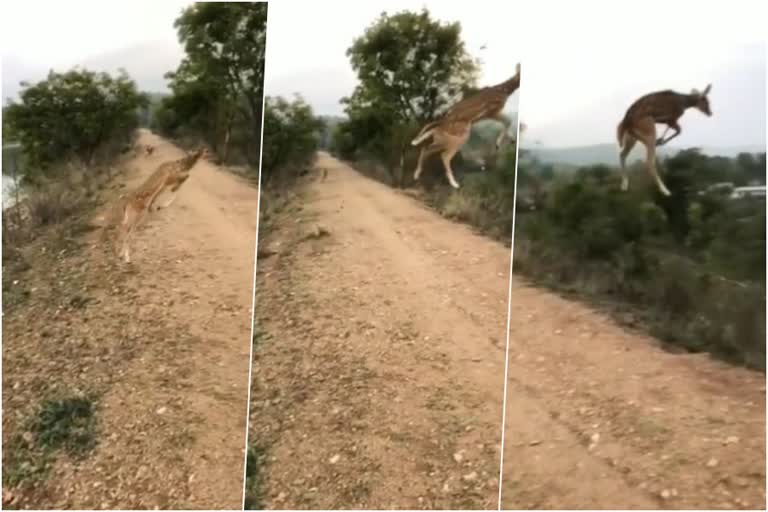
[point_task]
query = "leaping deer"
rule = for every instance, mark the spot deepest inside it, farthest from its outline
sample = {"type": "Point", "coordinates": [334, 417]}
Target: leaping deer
{"type": "Point", "coordinates": [134, 207]}
{"type": "Point", "coordinates": [639, 124]}
{"type": "Point", "coordinates": [451, 131]}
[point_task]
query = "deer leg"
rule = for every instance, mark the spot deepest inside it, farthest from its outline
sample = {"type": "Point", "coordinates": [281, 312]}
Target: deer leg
{"type": "Point", "coordinates": [660, 140]}
{"type": "Point", "coordinates": [130, 216]}
{"type": "Point", "coordinates": [505, 130]}
{"type": "Point", "coordinates": [628, 143]}
{"type": "Point", "coordinates": [425, 152]}
{"type": "Point", "coordinates": [650, 162]}
{"type": "Point", "coordinates": [677, 130]}
{"type": "Point", "coordinates": [168, 203]}
{"type": "Point", "coordinates": [447, 155]}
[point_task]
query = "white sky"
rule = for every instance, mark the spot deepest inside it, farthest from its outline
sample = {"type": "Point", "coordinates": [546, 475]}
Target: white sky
{"type": "Point", "coordinates": [583, 62]}
{"type": "Point", "coordinates": [138, 35]}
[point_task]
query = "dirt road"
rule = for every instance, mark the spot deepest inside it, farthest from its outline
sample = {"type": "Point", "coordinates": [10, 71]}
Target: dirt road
{"type": "Point", "coordinates": [600, 417]}
{"type": "Point", "coordinates": [164, 343]}
{"type": "Point", "coordinates": [378, 372]}
{"type": "Point", "coordinates": [378, 377]}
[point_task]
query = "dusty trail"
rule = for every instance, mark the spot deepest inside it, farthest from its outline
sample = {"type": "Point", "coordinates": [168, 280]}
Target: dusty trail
{"type": "Point", "coordinates": [378, 378]}
{"type": "Point", "coordinates": [601, 417]}
{"type": "Point", "coordinates": [171, 337]}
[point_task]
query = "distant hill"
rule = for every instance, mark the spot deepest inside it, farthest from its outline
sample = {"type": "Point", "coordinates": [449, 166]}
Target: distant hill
{"type": "Point", "coordinates": [155, 98]}
{"type": "Point", "coordinates": [608, 154]}
{"type": "Point", "coordinates": [331, 122]}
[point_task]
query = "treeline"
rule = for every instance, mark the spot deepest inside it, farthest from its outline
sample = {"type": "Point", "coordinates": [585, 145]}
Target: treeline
{"type": "Point", "coordinates": [70, 127]}
{"type": "Point", "coordinates": [410, 68]}
{"type": "Point", "coordinates": [690, 267]}
{"type": "Point", "coordinates": [78, 115]}
{"type": "Point", "coordinates": [217, 89]}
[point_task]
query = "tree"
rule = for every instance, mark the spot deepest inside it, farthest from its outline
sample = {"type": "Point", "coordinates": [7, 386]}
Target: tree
{"type": "Point", "coordinates": [74, 114]}
{"type": "Point", "coordinates": [410, 68]}
{"type": "Point", "coordinates": [218, 87]}
{"type": "Point", "coordinates": [291, 137]}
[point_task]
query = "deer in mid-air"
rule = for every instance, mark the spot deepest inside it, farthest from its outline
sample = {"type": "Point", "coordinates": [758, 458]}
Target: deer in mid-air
{"type": "Point", "coordinates": [451, 131]}
{"type": "Point", "coordinates": [134, 207]}
{"type": "Point", "coordinates": [639, 124]}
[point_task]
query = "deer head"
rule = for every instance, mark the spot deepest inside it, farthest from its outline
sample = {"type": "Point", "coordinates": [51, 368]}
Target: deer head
{"type": "Point", "coordinates": [202, 153]}
{"type": "Point", "coordinates": [702, 102]}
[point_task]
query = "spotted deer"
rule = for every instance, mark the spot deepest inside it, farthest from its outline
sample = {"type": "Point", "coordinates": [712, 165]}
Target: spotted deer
{"type": "Point", "coordinates": [451, 131]}
{"type": "Point", "coordinates": [132, 208]}
{"type": "Point", "coordinates": [639, 124]}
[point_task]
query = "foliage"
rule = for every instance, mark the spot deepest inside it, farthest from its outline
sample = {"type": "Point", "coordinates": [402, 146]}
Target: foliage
{"type": "Point", "coordinates": [218, 87]}
{"type": "Point", "coordinates": [693, 264]}
{"type": "Point", "coordinates": [410, 67]}
{"type": "Point", "coordinates": [291, 133]}
{"type": "Point", "coordinates": [73, 114]}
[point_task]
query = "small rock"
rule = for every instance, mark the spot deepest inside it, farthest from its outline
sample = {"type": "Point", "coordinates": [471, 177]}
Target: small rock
{"type": "Point", "coordinates": [334, 459]}
{"type": "Point", "coordinates": [731, 440]}
{"type": "Point", "coordinates": [535, 442]}
{"type": "Point", "coordinates": [470, 477]}
{"type": "Point", "coordinates": [162, 410]}
{"type": "Point", "coordinates": [665, 494]}
{"type": "Point", "coordinates": [458, 456]}
{"type": "Point", "coordinates": [281, 497]}
{"type": "Point", "coordinates": [713, 462]}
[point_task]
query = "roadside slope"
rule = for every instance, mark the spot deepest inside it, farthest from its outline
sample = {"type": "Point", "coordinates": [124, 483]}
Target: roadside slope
{"type": "Point", "coordinates": [164, 345]}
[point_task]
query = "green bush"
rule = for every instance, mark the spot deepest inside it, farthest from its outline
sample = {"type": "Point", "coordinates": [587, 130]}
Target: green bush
{"type": "Point", "coordinates": [692, 266]}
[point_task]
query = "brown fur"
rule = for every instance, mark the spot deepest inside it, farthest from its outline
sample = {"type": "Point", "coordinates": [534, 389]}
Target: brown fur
{"type": "Point", "coordinates": [451, 131]}
{"type": "Point", "coordinates": [639, 124]}
{"type": "Point", "coordinates": [132, 208]}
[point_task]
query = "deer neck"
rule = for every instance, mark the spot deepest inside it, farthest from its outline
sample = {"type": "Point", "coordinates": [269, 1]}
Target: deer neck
{"type": "Point", "coordinates": [189, 161]}
{"type": "Point", "coordinates": [511, 85]}
{"type": "Point", "coordinates": [690, 100]}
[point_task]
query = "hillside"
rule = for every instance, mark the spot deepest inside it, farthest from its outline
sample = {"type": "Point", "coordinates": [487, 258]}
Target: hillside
{"type": "Point", "coordinates": [608, 153]}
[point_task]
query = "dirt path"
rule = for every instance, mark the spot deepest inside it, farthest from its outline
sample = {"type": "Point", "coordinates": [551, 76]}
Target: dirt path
{"type": "Point", "coordinates": [599, 417]}
{"type": "Point", "coordinates": [378, 372]}
{"type": "Point", "coordinates": [165, 343]}
{"type": "Point", "coordinates": [378, 377]}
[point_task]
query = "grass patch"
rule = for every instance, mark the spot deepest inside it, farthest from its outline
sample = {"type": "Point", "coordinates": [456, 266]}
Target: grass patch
{"type": "Point", "coordinates": [68, 424]}
{"type": "Point", "coordinates": [259, 335]}
{"type": "Point", "coordinates": [60, 425]}
{"type": "Point", "coordinates": [254, 477]}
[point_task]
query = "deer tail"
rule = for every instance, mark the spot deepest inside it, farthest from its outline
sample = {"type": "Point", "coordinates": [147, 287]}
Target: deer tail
{"type": "Point", "coordinates": [425, 133]}
{"type": "Point", "coordinates": [620, 131]}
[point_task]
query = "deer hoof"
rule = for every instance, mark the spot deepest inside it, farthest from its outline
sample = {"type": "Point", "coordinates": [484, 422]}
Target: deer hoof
{"type": "Point", "coordinates": [660, 142]}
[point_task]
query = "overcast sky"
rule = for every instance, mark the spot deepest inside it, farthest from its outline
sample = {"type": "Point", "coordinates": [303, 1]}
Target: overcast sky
{"type": "Point", "coordinates": [583, 62]}
{"type": "Point", "coordinates": [136, 35]}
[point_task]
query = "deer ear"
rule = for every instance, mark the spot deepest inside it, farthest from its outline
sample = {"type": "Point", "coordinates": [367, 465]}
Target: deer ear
{"type": "Point", "coordinates": [706, 90]}
{"type": "Point", "coordinates": [695, 92]}
{"type": "Point", "coordinates": [517, 68]}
